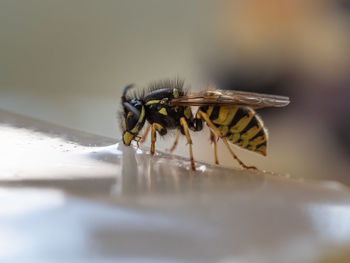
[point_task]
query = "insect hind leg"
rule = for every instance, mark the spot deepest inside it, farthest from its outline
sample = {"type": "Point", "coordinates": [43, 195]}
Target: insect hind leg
{"type": "Point", "coordinates": [189, 141]}
{"type": "Point", "coordinates": [198, 124]}
{"type": "Point", "coordinates": [218, 133]}
{"type": "Point", "coordinates": [213, 142]}
{"type": "Point", "coordinates": [194, 124]}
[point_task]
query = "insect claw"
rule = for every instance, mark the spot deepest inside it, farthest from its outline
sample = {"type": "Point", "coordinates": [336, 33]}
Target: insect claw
{"type": "Point", "coordinates": [138, 140]}
{"type": "Point", "coordinates": [251, 168]}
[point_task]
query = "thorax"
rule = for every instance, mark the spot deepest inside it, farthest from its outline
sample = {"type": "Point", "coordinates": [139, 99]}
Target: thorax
{"type": "Point", "coordinates": [158, 110]}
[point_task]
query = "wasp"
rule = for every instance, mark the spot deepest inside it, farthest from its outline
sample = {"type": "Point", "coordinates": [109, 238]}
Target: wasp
{"type": "Point", "coordinates": [230, 115]}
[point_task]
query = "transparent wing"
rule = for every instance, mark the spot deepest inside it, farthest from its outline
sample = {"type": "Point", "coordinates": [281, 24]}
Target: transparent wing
{"type": "Point", "coordinates": [230, 98]}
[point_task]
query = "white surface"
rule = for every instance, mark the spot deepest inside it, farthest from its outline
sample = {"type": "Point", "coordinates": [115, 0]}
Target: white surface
{"type": "Point", "coordinates": [64, 201]}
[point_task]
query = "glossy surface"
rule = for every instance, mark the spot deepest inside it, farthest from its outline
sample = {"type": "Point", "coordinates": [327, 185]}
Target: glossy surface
{"type": "Point", "coordinates": [62, 199]}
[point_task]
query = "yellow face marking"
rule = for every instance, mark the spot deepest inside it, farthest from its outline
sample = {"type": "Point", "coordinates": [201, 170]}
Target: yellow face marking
{"type": "Point", "coordinates": [123, 124]}
{"type": "Point", "coordinates": [152, 102]}
{"type": "Point", "coordinates": [242, 123]}
{"type": "Point", "coordinates": [176, 93]}
{"type": "Point", "coordinates": [127, 138]}
{"type": "Point", "coordinates": [135, 130]}
{"type": "Point", "coordinates": [188, 113]}
{"type": "Point", "coordinates": [163, 111]}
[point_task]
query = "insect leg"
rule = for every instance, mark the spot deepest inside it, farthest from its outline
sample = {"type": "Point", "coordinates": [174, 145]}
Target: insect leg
{"type": "Point", "coordinates": [218, 133]}
{"type": "Point", "coordinates": [198, 122]}
{"type": "Point", "coordinates": [189, 141]}
{"type": "Point", "coordinates": [213, 141]}
{"type": "Point", "coordinates": [175, 142]}
{"type": "Point", "coordinates": [144, 136]}
{"type": "Point", "coordinates": [156, 127]}
{"type": "Point", "coordinates": [194, 124]}
{"type": "Point", "coordinates": [153, 138]}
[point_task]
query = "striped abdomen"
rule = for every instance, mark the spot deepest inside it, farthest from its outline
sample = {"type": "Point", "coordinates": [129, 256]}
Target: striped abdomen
{"type": "Point", "coordinates": [240, 125]}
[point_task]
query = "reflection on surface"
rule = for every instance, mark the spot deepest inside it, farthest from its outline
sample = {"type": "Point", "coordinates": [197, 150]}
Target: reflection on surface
{"type": "Point", "coordinates": [168, 174]}
{"type": "Point", "coordinates": [115, 203]}
{"type": "Point", "coordinates": [143, 173]}
{"type": "Point", "coordinates": [12, 206]}
{"type": "Point", "coordinates": [30, 154]}
{"type": "Point", "coordinates": [331, 221]}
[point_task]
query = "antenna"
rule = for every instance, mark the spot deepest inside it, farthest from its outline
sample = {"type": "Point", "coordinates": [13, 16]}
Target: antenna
{"type": "Point", "coordinates": [125, 90]}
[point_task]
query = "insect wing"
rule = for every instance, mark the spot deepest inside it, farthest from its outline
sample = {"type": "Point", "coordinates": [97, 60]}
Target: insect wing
{"type": "Point", "coordinates": [230, 98]}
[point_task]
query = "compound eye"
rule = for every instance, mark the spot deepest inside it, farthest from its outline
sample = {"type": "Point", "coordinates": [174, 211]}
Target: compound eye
{"type": "Point", "coordinates": [132, 115]}
{"type": "Point", "coordinates": [131, 121]}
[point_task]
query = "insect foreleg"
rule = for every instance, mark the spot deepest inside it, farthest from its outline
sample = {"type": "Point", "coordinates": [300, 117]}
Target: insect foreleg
{"type": "Point", "coordinates": [144, 136]}
{"type": "Point", "coordinates": [156, 127]}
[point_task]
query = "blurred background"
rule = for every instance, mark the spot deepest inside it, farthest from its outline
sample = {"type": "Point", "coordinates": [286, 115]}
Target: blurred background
{"type": "Point", "coordinates": [66, 62]}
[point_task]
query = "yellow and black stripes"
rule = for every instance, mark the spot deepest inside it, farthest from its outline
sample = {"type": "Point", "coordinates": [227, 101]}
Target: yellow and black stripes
{"type": "Point", "coordinates": [240, 125]}
{"type": "Point", "coordinates": [200, 114]}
